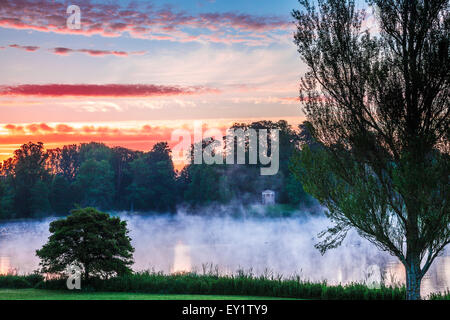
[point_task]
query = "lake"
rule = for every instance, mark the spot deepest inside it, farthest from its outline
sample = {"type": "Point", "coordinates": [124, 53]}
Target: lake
{"type": "Point", "coordinates": [271, 246]}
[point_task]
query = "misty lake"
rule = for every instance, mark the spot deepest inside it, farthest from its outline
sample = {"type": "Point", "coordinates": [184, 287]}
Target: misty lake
{"type": "Point", "coordinates": [272, 246]}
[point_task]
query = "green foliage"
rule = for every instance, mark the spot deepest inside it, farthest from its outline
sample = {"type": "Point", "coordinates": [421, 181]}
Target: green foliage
{"type": "Point", "coordinates": [6, 200]}
{"type": "Point", "coordinates": [123, 175]}
{"type": "Point", "coordinates": [29, 179]}
{"type": "Point", "coordinates": [96, 242]}
{"type": "Point", "coordinates": [20, 282]}
{"type": "Point", "coordinates": [39, 196]}
{"type": "Point", "coordinates": [153, 186]}
{"type": "Point", "coordinates": [295, 191]}
{"type": "Point", "coordinates": [94, 151]}
{"type": "Point", "coordinates": [33, 278]}
{"type": "Point", "coordinates": [204, 185]}
{"type": "Point", "coordinates": [61, 195]}
{"type": "Point", "coordinates": [66, 161]}
{"type": "Point", "coordinates": [14, 282]}
{"type": "Point", "coordinates": [95, 183]}
{"type": "Point", "coordinates": [38, 294]}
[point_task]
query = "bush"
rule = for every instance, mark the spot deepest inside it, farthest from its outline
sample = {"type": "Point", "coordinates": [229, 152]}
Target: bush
{"type": "Point", "coordinates": [34, 278]}
{"type": "Point", "coordinates": [14, 282]}
{"type": "Point", "coordinates": [54, 284]}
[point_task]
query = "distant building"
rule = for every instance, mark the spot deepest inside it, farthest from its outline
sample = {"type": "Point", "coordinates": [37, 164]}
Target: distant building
{"type": "Point", "coordinates": [268, 197]}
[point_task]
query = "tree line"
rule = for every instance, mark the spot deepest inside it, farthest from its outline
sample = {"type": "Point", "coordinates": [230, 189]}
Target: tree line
{"type": "Point", "coordinates": [37, 182]}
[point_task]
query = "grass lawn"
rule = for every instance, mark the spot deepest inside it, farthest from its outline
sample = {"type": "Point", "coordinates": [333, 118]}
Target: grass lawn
{"type": "Point", "coordinates": [37, 294]}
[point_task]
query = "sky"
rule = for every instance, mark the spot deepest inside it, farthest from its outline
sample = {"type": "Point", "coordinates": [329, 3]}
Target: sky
{"type": "Point", "coordinates": [136, 70]}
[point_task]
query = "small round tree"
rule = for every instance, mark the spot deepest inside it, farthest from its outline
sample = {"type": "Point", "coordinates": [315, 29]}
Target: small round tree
{"type": "Point", "coordinates": [90, 239]}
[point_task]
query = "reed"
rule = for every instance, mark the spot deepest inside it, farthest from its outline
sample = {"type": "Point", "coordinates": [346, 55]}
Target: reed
{"type": "Point", "coordinates": [241, 283]}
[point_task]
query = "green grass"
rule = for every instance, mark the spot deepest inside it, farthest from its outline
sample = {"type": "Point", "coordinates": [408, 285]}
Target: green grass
{"type": "Point", "coordinates": [38, 294]}
{"type": "Point", "coordinates": [440, 295]}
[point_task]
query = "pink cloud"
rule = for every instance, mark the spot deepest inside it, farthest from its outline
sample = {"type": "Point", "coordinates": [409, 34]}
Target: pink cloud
{"type": "Point", "coordinates": [95, 53]}
{"type": "Point", "coordinates": [101, 90]}
{"type": "Point", "coordinates": [62, 51]}
{"type": "Point", "coordinates": [26, 48]}
{"type": "Point", "coordinates": [112, 20]}
{"type": "Point", "coordinates": [103, 52]}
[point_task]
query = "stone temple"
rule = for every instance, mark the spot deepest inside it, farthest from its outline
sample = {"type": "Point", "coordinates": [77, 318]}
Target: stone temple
{"type": "Point", "coordinates": [268, 197]}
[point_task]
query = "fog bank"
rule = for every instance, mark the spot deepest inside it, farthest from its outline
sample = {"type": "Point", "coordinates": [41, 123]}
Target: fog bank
{"type": "Point", "coordinates": [278, 246]}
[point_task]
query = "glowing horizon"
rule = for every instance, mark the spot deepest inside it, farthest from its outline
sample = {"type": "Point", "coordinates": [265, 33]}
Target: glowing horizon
{"type": "Point", "coordinates": [134, 135]}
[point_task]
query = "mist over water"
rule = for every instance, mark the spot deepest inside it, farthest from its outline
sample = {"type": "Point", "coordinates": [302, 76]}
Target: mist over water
{"type": "Point", "coordinates": [278, 246]}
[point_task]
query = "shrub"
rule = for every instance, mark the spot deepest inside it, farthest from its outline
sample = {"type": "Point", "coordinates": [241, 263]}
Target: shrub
{"type": "Point", "coordinates": [14, 282]}
{"type": "Point", "coordinates": [34, 278]}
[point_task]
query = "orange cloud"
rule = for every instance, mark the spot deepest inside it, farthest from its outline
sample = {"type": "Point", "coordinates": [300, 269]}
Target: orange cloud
{"type": "Point", "coordinates": [58, 135]}
{"type": "Point", "coordinates": [135, 136]}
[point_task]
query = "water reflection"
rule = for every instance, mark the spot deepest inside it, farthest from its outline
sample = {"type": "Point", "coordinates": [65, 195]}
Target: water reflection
{"type": "Point", "coordinates": [5, 265]}
{"type": "Point", "coordinates": [182, 258]}
{"type": "Point", "coordinates": [436, 279]}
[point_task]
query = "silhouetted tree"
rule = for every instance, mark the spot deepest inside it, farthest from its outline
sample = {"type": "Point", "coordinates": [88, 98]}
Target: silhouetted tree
{"type": "Point", "coordinates": [153, 186]}
{"type": "Point", "coordinates": [378, 103]}
{"type": "Point", "coordinates": [29, 178]}
{"type": "Point", "coordinates": [65, 161]}
{"type": "Point", "coordinates": [120, 161]}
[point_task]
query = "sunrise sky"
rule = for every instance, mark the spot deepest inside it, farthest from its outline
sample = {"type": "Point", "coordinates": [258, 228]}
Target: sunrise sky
{"type": "Point", "coordinates": [138, 69]}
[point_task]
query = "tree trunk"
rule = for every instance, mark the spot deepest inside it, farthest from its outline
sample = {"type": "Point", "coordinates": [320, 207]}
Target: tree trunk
{"type": "Point", "coordinates": [413, 281]}
{"type": "Point", "coordinates": [86, 272]}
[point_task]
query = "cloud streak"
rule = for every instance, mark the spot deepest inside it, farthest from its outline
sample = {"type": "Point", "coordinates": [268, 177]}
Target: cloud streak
{"type": "Point", "coordinates": [102, 90]}
{"type": "Point", "coordinates": [26, 48]}
{"type": "Point", "coordinates": [91, 52]}
{"type": "Point", "coordinates": [95, 53]}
